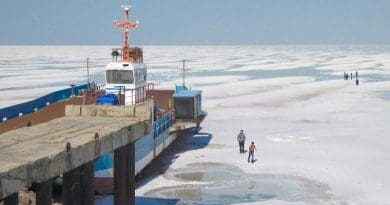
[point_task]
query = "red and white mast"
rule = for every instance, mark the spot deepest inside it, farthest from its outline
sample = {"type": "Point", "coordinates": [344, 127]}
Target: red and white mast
{"type": "Point", "coordinates": [126, 26]}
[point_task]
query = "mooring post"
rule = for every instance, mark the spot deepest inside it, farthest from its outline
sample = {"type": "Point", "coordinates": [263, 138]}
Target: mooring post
{"type": "Point", "coordinates": [124, 175]}
{"type": "Point", "coordinates": [12, 199]}
{"type": "Point", "coordinates": [44, 192]}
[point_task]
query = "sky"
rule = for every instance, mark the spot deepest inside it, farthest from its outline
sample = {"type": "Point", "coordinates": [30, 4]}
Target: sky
{"type": "Point", "coordinates": [196, 22]}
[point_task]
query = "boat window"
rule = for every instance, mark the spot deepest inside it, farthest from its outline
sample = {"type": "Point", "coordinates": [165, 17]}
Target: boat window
{"type": "Point", "coordinates": [120, 76]}
{"type": "Point", "coordinates": [140, 75]}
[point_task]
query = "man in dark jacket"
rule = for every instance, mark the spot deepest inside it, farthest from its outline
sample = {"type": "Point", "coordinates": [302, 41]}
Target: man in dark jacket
{"type": "Point", "coordinates": [241, 141]}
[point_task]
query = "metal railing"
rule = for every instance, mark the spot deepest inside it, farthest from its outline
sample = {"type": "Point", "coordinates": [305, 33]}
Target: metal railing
{"type": "Point", "coordinates": [163, 123]}
{"type": "Point", "coordinates": [138, 95]}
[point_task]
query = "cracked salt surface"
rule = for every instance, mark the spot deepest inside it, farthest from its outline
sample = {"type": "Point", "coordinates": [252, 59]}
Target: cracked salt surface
{"type": "Point", "coordinates": [291, 100]}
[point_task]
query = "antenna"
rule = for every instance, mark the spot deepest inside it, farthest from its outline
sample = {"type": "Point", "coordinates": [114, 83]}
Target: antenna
{"type": "Point", "coordinates": [126, 26]}
{"type": "Point", "coordinates": [126, 2]}
{"type": "Point", "coordinates": [184, 72]}
{"type": "Point", "coordinates": [88, 71]}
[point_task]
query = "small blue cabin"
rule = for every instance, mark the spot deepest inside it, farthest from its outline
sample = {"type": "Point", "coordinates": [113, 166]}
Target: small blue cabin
{"type": "Point", "coordinates": [187, 103]}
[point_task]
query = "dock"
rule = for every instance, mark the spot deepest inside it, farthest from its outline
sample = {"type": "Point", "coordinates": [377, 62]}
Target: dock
{"type": "Point", "coordinates": [31, 157]}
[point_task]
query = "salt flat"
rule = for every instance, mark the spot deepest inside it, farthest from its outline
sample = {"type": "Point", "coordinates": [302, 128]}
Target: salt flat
{"type": "Point", "coordinates": [307, 122]}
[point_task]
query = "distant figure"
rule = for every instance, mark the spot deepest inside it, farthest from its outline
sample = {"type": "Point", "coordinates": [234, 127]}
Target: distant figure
{"type": "Point", "coordinates": [241, 141]}
{"type": "Point", "coordinates": [356, 75]}
{"type": "Point", "coordinates": [252, 149]}
{"type": "Point", "coordinates": [351, 76]}
{"type": "Point", "coordinates": [357, 82]}
{"type": "Point", "coordinates": [346, 76]}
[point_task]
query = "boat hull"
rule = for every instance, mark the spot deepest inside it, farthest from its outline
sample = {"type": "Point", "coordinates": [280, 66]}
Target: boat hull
{"type": "Point", "coordinates": [146, 149]}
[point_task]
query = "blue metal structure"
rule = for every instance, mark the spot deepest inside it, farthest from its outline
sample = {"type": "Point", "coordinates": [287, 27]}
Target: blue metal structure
{"type": "Point", "coordinates": [16, 111]}
{"type": "Point", "coordinates": [144, 145]}
{"type": "Point", "coordinates": [187, 103]}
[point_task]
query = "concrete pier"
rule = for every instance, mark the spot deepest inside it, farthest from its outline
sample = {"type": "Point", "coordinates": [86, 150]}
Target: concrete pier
{"type": "Point", "coordinates": [68, 146]}
{"type": "Point", "coordinates": [86, 181]}
{"type": "Point", "coordinates": [12, 199]}
{"type": "Point", "coordinates": [44, 192]}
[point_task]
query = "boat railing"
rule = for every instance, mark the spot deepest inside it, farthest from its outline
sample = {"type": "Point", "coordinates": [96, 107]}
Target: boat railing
{"type": "Point", "coordinates": [138, 95]}
{"type": "Point", "coordinates": [134, 53]}
{"type": "Point", "coordinates": [35, 105]}
{"type": "Point", "coordinates": [163, 123]}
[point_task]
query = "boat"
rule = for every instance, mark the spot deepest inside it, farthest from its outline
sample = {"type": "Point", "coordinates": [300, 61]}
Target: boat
{"type": "Point", "coordinates": [126, 84]}
{"type": "Point", "coordinates": [174, 110]}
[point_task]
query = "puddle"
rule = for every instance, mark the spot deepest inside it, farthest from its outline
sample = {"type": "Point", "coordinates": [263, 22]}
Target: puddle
{"type": "Point", "coordinates": [223, 184]}
{"type": "Point", "coordinates": [385, 94]}
{"type": "Point", "coordinates": [307, 97]}
{"type": "Point", "coordinates": [376, 78]}
{"type": "Point", "coordinates": [211, 175]}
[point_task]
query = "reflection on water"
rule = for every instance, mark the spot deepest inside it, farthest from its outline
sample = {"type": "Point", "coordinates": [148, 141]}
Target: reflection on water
{"type": "Point", "coordinates": [109, 200]}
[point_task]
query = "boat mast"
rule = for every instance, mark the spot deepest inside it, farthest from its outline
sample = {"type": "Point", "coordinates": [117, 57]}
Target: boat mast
{"type": "Point", "coordinates": [126, 26]}
{"type": "Point", "coordinates": [184, 73]}
{"type": "Point", "coordinates": [88, 72]}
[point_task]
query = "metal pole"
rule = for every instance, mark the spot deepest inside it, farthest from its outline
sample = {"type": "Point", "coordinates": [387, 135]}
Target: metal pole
{"type": "Point", "coordinates": [124, 95]}
{"type": "Point", "coordinates": [184, 72]}
{"type": "Point", "coordinates": [120, 95]}
{"type": "Point", "coordinates": [88, 71]}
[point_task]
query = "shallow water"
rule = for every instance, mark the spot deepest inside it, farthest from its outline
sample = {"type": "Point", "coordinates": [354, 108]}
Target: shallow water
{"type": "Point", "coordinates": [385, 94]}
{"type": "Point", "coordinates": [210, 175]}
{"type": "Point", "coordinates": [109, 200]}
{"type": "Point", "coordinates": [223, 184]}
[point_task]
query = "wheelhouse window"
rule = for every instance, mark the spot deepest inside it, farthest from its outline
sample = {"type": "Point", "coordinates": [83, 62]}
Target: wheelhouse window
{"type": "Point", "coordinates": [140, 76]}
{"type": "Point", "coordinates": [119, 76]}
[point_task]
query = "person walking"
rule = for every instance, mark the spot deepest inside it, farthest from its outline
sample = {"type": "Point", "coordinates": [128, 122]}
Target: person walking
{"type": "Point", "coordinates": [252, 149]}
{"type": "Point", "coordinates": [241, 141]}
{"type": "Point", "coordinates": [351, 76]}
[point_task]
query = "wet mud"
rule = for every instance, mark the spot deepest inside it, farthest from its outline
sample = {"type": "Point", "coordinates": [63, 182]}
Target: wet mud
{"type": "Point", "coordinates": [214, 183]}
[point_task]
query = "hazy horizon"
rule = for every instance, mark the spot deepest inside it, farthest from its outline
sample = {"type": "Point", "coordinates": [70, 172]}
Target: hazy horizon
{"type": "Point", "coordinates": [195, 45]}
{"type": "Point", "coordinates": [217, 22]}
